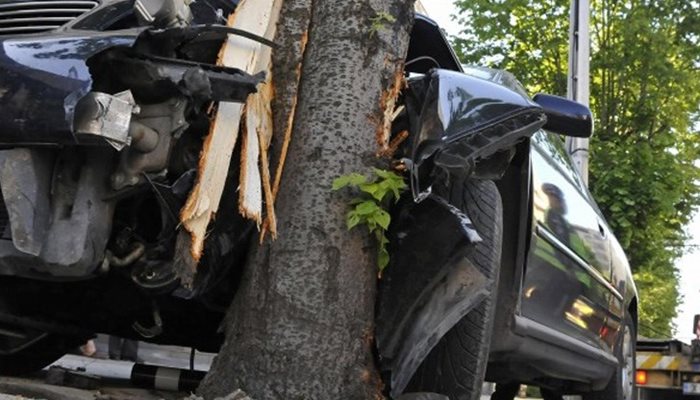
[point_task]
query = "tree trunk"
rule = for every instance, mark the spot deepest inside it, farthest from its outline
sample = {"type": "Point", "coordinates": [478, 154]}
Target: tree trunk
{"type": "Point", "coordinates": [301, 325]}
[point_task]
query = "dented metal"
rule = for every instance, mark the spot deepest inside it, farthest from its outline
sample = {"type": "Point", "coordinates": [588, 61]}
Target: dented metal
{"type": "Point", "coordinates": [102, 81]}
{"type": "Point", "coordinates": [463, 126]}
{"type": "Point", "coordinates": [106, 116]}
{"type": "Point", "coordinates": [464, 119]}
{"type": "Point", "coordinates": [429, 285]}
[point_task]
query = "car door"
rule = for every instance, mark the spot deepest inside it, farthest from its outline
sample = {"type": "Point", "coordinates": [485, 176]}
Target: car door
{"type": "Point", "coordinates": [566, 284]}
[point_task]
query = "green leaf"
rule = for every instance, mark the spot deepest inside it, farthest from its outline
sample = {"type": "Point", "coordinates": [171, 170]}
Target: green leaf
{"type": "Point", "coordinates": [352, 220]}
{"type": "Point", "coordinates": [367, 207]}
{"type": "Point", "coordinates": [382, 173]}
{"type": "Point", "coordinates": [382, 259]}
{"type": "Point", "coordinates": [373, 189]}
{"type": "Point", "coordinates": [352, 179]}
{"type": "Point", "coordinates": [383, 218]}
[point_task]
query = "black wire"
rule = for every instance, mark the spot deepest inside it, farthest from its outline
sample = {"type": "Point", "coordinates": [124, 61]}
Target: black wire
{"type": "Point", "coordinates": [192, 359]}
{"type": "Point", "coordinates": [423, 58]}
{"type": "Point", "coordinates": [238, 32]}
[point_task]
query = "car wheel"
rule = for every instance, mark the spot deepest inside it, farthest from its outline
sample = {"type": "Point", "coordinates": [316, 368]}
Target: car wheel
{"type": "Point", "coordinates": [456, 365]}
{"type": "Point", "coordinates": [621, 385]}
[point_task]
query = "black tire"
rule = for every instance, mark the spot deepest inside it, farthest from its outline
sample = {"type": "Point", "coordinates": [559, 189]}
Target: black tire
{"type": "Point", "coordinates": [457, 364]}
{"type": "Point", "coordinates": [621, 385]}
{"type": "Point", "coordinates": [34, 357]}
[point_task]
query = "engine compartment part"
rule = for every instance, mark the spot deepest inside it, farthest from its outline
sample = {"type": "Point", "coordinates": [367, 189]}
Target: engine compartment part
{"type": "Point", "coordinates": [63, 234]}
{"type": "Point", "coordinates": [163, 13]}
{"type": "Point", "coordinates": [155, 78]}
{"type": "Point", "coordinates": [153, 133]}
{"type": "Point", "coordinates": [143, 91]}
{"type": "Point", "coordinates": [106, 116]}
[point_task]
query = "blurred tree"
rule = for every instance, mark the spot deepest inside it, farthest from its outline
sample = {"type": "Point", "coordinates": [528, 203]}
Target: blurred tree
{"type": "Point", "coordinates": [645, 94]}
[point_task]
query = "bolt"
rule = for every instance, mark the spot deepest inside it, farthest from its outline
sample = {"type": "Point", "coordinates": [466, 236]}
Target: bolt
{"type": "Point", "coordinates": [117, 180]}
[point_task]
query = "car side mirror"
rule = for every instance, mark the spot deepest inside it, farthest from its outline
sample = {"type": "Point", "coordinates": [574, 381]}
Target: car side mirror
{"type": "Point", "coordinates": [566, 117]}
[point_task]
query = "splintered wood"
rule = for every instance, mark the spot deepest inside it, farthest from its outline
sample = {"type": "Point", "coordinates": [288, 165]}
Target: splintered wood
{"type": "Point", "coordinates": [270, 224]}
{"type": "Point", "coordinates": [258, 17]}
{"type": "Point", "coordinates": [387, 103]}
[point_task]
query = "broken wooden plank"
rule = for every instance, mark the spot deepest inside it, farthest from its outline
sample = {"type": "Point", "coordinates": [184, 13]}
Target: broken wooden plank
{"type": "Point", "coordinates": [250, 189]}
{"type": "Point", "coordinates": [203, 202]}
{"type": "Point", "coordinates": [265, 138]}
{"type": "Point", "coordinates": [257, 138]}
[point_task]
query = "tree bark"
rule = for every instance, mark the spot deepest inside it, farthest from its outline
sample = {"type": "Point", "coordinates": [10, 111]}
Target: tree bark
{"type": "Point", "coordinates": [301, 325]}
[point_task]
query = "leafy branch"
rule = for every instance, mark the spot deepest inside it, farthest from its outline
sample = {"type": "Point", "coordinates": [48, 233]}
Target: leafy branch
{"type": "Point", "coordinates": [369, 207]}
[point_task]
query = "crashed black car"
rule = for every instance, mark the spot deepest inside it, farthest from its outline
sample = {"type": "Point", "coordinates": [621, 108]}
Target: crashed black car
{"type": "Point", "coordinates": [502, 265]}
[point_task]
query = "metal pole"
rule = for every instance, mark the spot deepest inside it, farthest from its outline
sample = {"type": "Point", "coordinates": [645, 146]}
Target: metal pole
{"type": "Point", "coordinates": [579, 76]}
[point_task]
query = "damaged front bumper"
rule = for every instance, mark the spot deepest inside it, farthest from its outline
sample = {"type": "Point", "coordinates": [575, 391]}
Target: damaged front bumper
{"type": "Point", "coordinates": [69, 98]}
{"type": "Point", "coordinates": [44, 78]}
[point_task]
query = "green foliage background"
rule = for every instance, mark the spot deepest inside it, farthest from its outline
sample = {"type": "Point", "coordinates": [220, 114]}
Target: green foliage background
{"type": "Point", "coordinates": [645, 94]}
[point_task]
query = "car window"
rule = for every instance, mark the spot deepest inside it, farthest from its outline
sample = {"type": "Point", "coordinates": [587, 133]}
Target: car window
{"type": "Point", "coordinates": [553, 145]}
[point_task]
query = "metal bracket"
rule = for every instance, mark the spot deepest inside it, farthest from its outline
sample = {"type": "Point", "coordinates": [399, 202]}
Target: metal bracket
{"type": "Point", "coordinates": [107, 116]}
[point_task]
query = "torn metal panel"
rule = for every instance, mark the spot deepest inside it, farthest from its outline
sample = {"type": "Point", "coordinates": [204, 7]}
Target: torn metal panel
{"type": "Point", "coordinates": [35, 80]}
{"type": "Point", "coordinates": [154, 78]}
{"type": "Point", "coordinates": [454, 296]}
{"type": "Point", "coordinates": [428, 243]}
{"type": "Point", "coordinates": [38, 79]}
{"type": "Point", "coordinates": [429, 48]}
{"type": "Point", "coordinates": [465, 119]}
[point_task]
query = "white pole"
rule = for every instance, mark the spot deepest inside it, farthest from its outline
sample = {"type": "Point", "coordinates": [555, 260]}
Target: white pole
{"type": "Point", "coordinates": [579, 76]}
